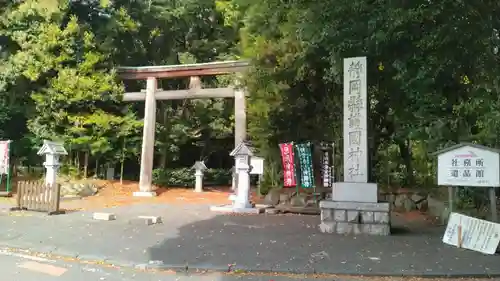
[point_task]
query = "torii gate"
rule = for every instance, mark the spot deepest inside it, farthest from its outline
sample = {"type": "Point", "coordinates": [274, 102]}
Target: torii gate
{"type": "Point", "coordinates": [195, 91]}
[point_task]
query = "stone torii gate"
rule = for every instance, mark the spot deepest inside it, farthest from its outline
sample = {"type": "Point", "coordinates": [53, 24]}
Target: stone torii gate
{"type": "Point", "coordinates": [195, 91]}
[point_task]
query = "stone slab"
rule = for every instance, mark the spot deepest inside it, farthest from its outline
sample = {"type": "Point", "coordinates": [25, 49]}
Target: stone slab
{"type": "Point", "coordinates": [104, 216]}
{"type": "Point", "coordinates": [154, 219]}
{"type": "Point", "coordinates": [264, 206]}
{"type": "Point", "coordinates": [144, 194]}
{"type": "Point", "coordinates": [355, 192]}
{"type": "Point", "coordinates": [359, 206]}
{"type": "Point", "coordinates": [346, 228]}
{"type": "Point", "coordinates": [272, 211]}
{"type": "Point", "coordinates": [229, 209]}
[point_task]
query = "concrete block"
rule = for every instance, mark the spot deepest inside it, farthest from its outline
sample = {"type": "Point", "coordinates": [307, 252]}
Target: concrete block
{"type": "Point", "coordinates": [144, 194]}
{"type": "Point", "coordinates": [360, 206]}
{"type": "Point", "coordinates": [366, 228]}
{"type": "Point", "coordinates": [272, 211]}
{"type": "Point", "coordinates": [344, 228]}
{"type": "Point", "coordinates": [353, 216]}
{"type": "Point", "coordinates": [367, 216]}
{"type": "Point", "coordinates": [380, 229]}
{"type": "Point", "coordinates": [381, 217]}
{"type": "Point", "coordinates": [355, 192]}
{"type": "Point", "coordinates": [104, 216]}
{"type": "Point", "coordinates": [327, 227]}
{"type": "Point", "coordinates": [327, 214]}
{"type": "Point", "coordinates": [340, 215]}
{"type": "Point", "coordinates": [357, 228]}
{"type": "Point", "coordinates": [153, 219]}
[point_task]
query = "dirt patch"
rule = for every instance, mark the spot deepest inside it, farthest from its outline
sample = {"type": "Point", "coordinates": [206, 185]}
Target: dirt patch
{"type": "Point", "coordinates": [112, 193]}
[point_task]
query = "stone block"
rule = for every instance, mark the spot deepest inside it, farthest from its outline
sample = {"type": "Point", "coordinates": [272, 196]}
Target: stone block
{"type": "Point", "coordinates": [360, 206]}
{"type": "Point", "coordinates": [344, 228]}
{"type": "Point", "coordinates": [153, 219]}
{"type": "Point", "coordinates": [298, 201]}
{"type": "Point", "coordinates": [355, 192]}
{"type": "Point", "coordinates": [367, 216]}
{"type": "Point", "coordinates": [144, 194]}
{"type": "Point", "coordinates": [380, 229]}
{"type": "Point", "coordinates": [366, 228]}
{"type": "Point", "coordinates": [327, 214]}
{"type": "Point", "coordinates": [284, 198]}
{"type": "Point", "coordinates": [327, 227]}
{"type": "Point", "coordinates": [353, 216]}
{"type": "Point", "coordinates": [357, 228]}
{"type": "Point", "coordinates": [104, 216]}
{"type": "Point", "coordinates": [273, 197]}
{"type": "Point", "coordinates": [272, 211]}
{"type": "Point", "coordinates": [340, 215]}
{"type": "Point", "coordinates": [381, 217]}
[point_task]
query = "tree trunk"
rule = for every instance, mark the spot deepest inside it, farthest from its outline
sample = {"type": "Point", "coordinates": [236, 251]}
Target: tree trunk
{"type": "Point", "coordinates": [96, 168]}
{"type": "Point", "coordinates": [122, 160]}
{"type": "Point", "coordinates": [406, 155]}
{"type": "Point", "coordinates": [164, 149]}
{"type": "Point", "coordinates": [86, 165]}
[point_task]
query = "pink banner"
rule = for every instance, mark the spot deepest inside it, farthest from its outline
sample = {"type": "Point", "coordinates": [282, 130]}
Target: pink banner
{"type": "Point", "coordinates": [4, 157]}
{"type": "Point", "coordinates": [287, 158]}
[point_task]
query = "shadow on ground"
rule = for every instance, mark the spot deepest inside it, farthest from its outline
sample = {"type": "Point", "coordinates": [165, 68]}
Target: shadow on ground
{"type": "Point", "coordinates": [294, 244]}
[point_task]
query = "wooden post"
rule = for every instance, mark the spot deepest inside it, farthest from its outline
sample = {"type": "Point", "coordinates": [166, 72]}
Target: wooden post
{"type": "Point", "coordinates": [493, 204]}
{"type": "Point", "coordinates": [148, 142]}
{"type": "Point", "coordinates": [450, 198]}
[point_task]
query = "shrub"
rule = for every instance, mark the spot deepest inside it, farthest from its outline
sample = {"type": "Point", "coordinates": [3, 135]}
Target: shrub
{"type": "Point", "coordinates": [184, 177]}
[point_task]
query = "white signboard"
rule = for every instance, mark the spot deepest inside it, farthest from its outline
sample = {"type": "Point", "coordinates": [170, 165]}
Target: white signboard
{"type": "Point", "coordinates": [477, 235]}
{"type": "Point", "coordinates": [469, 166]}
{"type": "Point", "coordinates": [355, 120]}
{"type": "Point", "coordinates": [257, 164]}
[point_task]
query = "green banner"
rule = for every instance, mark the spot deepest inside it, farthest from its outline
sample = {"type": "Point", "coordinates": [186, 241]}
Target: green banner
{"type": "Point", "coordinates": [305, 163]}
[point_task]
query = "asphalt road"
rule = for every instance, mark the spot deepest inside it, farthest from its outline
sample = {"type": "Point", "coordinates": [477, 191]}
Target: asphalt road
{"type": "Point", "coordinates": [22, 267]}
{"type": "Point", "coordinates": [16, 266]}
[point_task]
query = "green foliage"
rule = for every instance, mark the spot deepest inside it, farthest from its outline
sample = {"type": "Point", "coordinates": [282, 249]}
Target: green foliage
{"type": "Point", "coordinates": [184, 177]}
{"type": "Point", "coordinates": [433, 79]}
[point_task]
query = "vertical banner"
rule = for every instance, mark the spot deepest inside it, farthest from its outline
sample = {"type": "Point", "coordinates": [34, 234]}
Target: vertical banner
{"type": "Point", "coordinates": [327, 164]}
{"type": "Point", "coordinates": [4, 157]}
{"type": "Point", "coordinates": [306, 168]}
{"type": "Point", "coordinates": [287, 158]}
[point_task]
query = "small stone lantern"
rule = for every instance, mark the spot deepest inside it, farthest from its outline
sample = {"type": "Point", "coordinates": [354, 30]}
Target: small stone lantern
{"type": "Point", "coordinates": [242, 154]}
{"type": "Point", "coordinates": [199, 169]}
{"type": "Point", "coordinates": [52, 151]}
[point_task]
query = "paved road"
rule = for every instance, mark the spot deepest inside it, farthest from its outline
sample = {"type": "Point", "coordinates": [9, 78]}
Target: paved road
{"type": "Point", "coordinates": [194, 237]}
{"type": "Point", "coordinates": [23, 267]}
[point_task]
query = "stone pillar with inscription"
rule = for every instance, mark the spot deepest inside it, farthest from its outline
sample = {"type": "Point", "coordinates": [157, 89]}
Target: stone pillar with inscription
{"type": "Point", "coordinates": [354, 207]}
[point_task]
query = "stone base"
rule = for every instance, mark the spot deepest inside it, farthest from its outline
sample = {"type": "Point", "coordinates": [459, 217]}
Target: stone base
{"type": "Point", "coordinates": [144, 194]}
{"type": "Point", "coordinates": [355, 192]}
{"type": "Point", "coordinates": [229, 209]}
{"type": "Point", "coordinates": [355, 218]}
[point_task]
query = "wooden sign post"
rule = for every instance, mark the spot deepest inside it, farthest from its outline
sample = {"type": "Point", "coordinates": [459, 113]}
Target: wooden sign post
{"type": "Point", "coordinates": [470, 165]}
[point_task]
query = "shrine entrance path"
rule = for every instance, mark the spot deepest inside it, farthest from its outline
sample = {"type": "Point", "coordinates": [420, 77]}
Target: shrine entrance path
{"type": "Point", "coordinates": [191, 237]}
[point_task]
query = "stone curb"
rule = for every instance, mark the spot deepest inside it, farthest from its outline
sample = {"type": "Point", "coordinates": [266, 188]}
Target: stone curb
{"type": "Point", "coordinates": [159, 266]}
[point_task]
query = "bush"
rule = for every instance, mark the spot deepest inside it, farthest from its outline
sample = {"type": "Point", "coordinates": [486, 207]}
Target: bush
{"type": "Point", "coordinates": [184, 177]}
